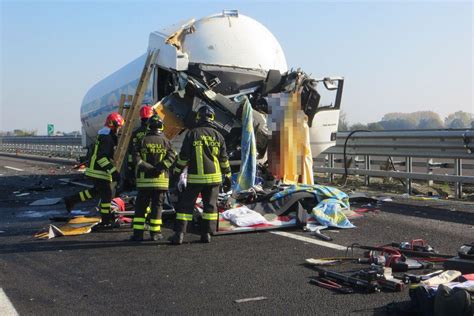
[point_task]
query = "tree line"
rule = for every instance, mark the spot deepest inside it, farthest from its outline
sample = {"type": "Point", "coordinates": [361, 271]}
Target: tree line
{"type": "Point", "coordinates": [414, 120]}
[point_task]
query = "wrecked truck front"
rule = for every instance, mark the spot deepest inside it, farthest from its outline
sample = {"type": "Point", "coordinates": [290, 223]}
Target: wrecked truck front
{"type": "Point", "coordinates": [217, 60]}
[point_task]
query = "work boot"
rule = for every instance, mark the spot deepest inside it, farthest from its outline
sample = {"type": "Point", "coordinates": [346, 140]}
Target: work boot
{"type": "Point", "coordinates": [69, 204]}
{"type": "Point", "coordinates": [116, 223]}
{"type": "Point", "coordinates": [155, 236]}
{"type": "Point", "coordinates": [104, 223]}
{"type": "Point", "coordinates": [205, 238]}
{"type": "Point", "coordinates": [105, 220]}
{"type": "Point", "coordinates": [177, 238]}
{"type": "Point", "coordinates": [101, 226]}
{"type": "Point", "coordinates": [137, 235]}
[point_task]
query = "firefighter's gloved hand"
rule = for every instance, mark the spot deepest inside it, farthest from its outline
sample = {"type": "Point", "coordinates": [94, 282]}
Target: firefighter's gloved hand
{"type": "Point", "coordinates": [227, 184]}
{"type": "Point", "coordinates": [116, 176]}
{"type": "Point", "coordinates": [181, 183]}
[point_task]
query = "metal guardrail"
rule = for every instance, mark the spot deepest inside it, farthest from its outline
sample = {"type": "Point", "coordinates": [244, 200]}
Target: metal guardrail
{"type": "Point", "coordinates": [453, 147]}
{"type": "Point", "coordinates": [51, 146]}
{"type": "Point", "coordinates": [417, 150]}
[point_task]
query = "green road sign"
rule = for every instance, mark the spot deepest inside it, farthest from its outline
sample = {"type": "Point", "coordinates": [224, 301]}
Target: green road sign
{"type": "Point", "coordinates": [50, 129]}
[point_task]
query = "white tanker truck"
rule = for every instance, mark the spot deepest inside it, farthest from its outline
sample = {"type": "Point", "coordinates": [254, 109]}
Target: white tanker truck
{"type": "Point", "coordinates": [214, 60]}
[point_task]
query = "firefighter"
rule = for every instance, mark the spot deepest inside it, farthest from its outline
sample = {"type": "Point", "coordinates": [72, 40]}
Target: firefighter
{"type": "Point", "coordinates": [145, 113]}
{"type": "Point", "coordinates": [101, 169]}
{"type": "Point", "coordinates": [204, 153]}
{"type": "Point", "coordinates": [153, 157]}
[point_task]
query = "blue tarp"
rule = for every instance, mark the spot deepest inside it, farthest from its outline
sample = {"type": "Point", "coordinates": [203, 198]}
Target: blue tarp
{"type": "Point", "coordinates": [330, 200]}
{"type": "Point", "coordinates": [248, 166]}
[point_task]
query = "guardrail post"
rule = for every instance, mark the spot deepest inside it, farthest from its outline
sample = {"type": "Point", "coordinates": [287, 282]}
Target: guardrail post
{"type": "Point", "coordinates": [408, 168]}
{"type": "Point", "coordinates": [458, 185]}
{"type": "Point", "coordinates": [331, 165]}
{"type": "Point", "coordinates": [429, 162]}
{"type": "Point", "coordinates": [367, 167]}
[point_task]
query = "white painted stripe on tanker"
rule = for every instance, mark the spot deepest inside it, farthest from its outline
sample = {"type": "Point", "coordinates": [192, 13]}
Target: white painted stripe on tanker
{"type": "Point", "coordinates": [310, 240]}
{"type": "Point", "coordinates": [6, 306]}
{"type": "Point", "coordinates": [13, 168]}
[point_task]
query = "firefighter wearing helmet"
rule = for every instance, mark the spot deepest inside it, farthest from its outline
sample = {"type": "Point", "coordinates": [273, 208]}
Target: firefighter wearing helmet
{"type": "Point", "coordinates": [101, 169]}
{"type": "Point", "coordinates": [146, 111]}
{"type": "Point", "coordinates": [204, 153]}
{"type": "Point", "coordinates": [153, 156]}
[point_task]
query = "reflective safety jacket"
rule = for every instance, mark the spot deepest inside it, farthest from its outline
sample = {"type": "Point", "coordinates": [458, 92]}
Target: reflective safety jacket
{"type": "Point", "coordinates": [101, 164]}
{"type": "Point", "coordinates": [204, 152]}
{"type": "Point", "coordinates": [137, 137]}
{"type": "Point", "coordinates": [154, 156]}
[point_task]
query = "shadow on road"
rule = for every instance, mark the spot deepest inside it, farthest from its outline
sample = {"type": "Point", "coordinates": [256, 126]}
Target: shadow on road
{"type": "Point", "coordinates": [422, 211]}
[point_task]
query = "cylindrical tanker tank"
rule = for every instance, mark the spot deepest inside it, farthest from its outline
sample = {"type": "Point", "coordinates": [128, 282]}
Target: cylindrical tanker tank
{"type": "Point", "coordinates": [235, 48]}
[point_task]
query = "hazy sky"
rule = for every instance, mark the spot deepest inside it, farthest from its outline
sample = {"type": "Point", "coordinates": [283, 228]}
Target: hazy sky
{"type": "Point", "coordinates": [398, 56]}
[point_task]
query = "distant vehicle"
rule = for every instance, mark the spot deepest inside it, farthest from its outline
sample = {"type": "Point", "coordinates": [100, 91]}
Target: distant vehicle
{"type": "Point", "coordinates": [214, 60]}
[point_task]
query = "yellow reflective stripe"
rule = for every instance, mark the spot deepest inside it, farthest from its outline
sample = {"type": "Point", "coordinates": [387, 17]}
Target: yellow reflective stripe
{"type": "Point", "coordinates": [111, 170]}
{"type": "Point", "coordinates": [139, 227]}
{"type": "Point", "coordinates": [105, 211]}
{"type": "Point", "coordinates": [225, 164]}
{"type": "Point", "coordinates": [155, 229]}
{"type": "Point", "coordinates": [209, 216]}
{"type": "Point", "coordinates": [177, 170]}
{"type": "Point", "coordinates": [155, 221]}
{"type": "Point", "coordinates": [81, 195]}
{"type": "Point", "coordinates": [199, 162]}
{"type": "Point", "coordinates": [208, 178]}
{"type": "Point", "coordinates": [181, 162]}
{"type": "Point", "coordinates": [184, 217]}
{"type": "Point", "coordinates": [139, 219]}
{"type": "Point", "coordinates": [98, 174]}
{"type": "Point", "coordinates": [103, 162]}
{"type": "Point", "coordinates": [154, 180]}
{"type": "Point", "coordinates": [215, 153]}
{"type": "Point", "coordinates": [153, 185]}
{"type": "Point", "coordinates": [94, 154]}
{"type": "Point", "coordinates": [160, 181]}
{"type": "Point", "coordinates": [167, 163]}
{"type": "Point", "coordinates": [88, 194]}
{"type": "Point", "coordinates": [105, 204]}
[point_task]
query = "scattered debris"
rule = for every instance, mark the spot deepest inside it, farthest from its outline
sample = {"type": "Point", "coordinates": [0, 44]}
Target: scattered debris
{"type": "Point", "coordinates": [244, 300]}
{"type": "Point", "coordinates": [40, 188]}
{"type": "Point", "coordinates": [45, 201]}
{"type": "Point", "coordinates": [39, 214]}
{"type": "Point", "coordinates": [22, 194]}
{"type": "Point", "coordinates": [76, 226]}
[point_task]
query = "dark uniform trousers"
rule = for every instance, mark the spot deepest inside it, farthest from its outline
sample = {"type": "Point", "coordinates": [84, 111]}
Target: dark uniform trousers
{"type": "Point", "coordinates": [209, 194]}
{"type": "Point", "coordinates": [102, 189]}
{"type": "Point", "coordinates": [144, 197]}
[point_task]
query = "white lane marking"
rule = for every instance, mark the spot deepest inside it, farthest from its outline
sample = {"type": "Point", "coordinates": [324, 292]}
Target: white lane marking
{"type": "Point", "coordinates": [310, 240]}
{"type": "Point", "coordinates": [13, 168]}
{"type": "Point", "coordinates": [6, 307]}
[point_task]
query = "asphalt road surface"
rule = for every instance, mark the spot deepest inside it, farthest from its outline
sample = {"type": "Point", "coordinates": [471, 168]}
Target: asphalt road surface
{"type": "Point", "coordinates": [102, 273]}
